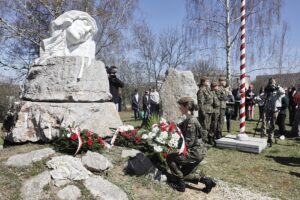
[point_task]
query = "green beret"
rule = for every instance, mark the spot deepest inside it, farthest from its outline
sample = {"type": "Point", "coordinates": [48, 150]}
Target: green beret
{"type": "Point", "coordinates": [185, 100]}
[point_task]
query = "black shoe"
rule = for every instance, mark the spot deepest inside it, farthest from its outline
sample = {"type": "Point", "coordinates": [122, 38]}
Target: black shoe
{"type": "Point", "coordinates": [178, 185]}
{"type": "Point", "coordinates": [270, 142]}
{"type": "Point", "coordinates": [209, 184]}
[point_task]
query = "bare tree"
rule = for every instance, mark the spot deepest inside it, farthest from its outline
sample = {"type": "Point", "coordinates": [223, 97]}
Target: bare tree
{"type": "Point", "coordinates": [23, 24]}
{"type": "Point", "coordinates": [175, 45]}
{"type": "Point", "coordinates": [216, 23]}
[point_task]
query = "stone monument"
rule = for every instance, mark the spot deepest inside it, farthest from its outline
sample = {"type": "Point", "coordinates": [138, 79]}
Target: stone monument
{"type": "Point", "coordinates": [65, 85]}
{"type": "Point", "coordinates": [177, 84]}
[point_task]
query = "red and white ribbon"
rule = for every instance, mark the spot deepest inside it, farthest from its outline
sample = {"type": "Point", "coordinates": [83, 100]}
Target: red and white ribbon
{"type": "Point", "coordinates": [243, 67]}
{"type": "Point", "coordinates": [182, 149]}
{"type": "Point", "coordinates": [79, 140]}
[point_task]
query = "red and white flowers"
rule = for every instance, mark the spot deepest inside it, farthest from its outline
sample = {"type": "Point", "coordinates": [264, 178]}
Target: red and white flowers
{"type": "Point", "coordinates": [166, 138]}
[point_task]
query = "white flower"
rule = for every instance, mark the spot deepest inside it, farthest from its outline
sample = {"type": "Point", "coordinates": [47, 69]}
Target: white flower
{"type": "Point", "coordinates": [160, 140]}
{"type": "Point", "coordinates": [69, 135]}
{"type": "Point", "coordinates": [157, 148]}
{"type": "Point", "coordinates": [175, 136]}
{"type": "Point", "coordinates": [155, 129]}
{"type": "Point", "coordinates": [130, 128]}
{"type": "Point", "coordinates": [145, 136]}
{"type": "Point", "coordinates": [151, 135]}
{"type": "Point", "coordinates": [173, 143]}
{"type": "Point", "coordinates": [163, 121]}
{"type": "Point", "coordinates": [74, 130]}
{"type": "Point", "coordinates": [164, 135]}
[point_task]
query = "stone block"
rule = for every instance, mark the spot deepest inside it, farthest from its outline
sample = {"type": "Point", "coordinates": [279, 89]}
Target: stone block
{"type": "Point", "coordinates": [253, 145]}
{"type": "Point", "coordinates": [57, 80]}
{"type": "Point", "coordinates": [41, 121]}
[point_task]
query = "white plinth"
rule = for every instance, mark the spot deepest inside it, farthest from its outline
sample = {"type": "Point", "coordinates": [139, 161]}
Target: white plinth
{"type": "Point", "coordinates": [253, 145]}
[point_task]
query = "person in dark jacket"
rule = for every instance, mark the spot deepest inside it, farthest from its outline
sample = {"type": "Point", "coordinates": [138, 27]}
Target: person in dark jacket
{"type": "Point", "coordinates": [250, 102]}
{"type": "Point", "coordinates": [114, 85]}
{"type": "Point", "coordinates": [135, 104]}
{"type": "Point", "coordinates": [292, 105]}
{"type": "Point", "coordinates": [146, 108]}
{"type": "Point", "coordinates": [183, 167]}
{"type": "Point", "coordinates": [282, 113]}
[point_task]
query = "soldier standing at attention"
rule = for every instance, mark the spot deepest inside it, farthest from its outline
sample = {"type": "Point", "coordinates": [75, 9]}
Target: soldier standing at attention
{"type": "Point", "coordinates": [183, 167]}
{"type": "Point", "coordinates": [222, 93]}
{"type": "Point", "coordinates": [205, 102]}
{"type": "Point", "coordinates": [216, 112]}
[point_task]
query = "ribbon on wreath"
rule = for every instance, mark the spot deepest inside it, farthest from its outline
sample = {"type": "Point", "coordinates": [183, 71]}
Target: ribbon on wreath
{"type": "Point", "coordinates": [182, 149]}
{"type": "Point", "coordinates": [77, 132]}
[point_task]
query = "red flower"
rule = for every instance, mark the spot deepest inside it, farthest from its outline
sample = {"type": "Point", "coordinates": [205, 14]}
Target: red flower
{"type": "Point", "coordinates": [128, 136]}
{"type": "Point", "coordinates": [163, 128]}
{"type": "Point", "coordinates": [138, 138]}
{"type": "Point", "coordinates": [137, 142]}
{"type": "Point", "coordinates": [74, 136]}
{"type": "Point", "coordinates": [89, 142]}
{"type": "Point", "coordinates": [88, 135]}
{"type": "Point", "coordinates": [133, 131]}
{"type": "Point", "coordinates": [165, 155]}
{"type": "Point", "coordinates": [172, 127]}
{"type": "Point", "coordinates": [100, 140]}
{"type": "Point", "coordinates": [123, 134]}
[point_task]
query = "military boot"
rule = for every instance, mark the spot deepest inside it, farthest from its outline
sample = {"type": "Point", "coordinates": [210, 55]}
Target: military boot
{"type": "Point", "coordinates": [270, 142]}
{"type": "Point", "coordinates": [179, 185]}
{"type": "Point", "coordinates": [209, 184]}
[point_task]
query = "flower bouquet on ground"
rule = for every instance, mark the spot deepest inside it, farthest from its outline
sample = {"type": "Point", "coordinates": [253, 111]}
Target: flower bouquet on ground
{"type": "Point", "coordinates": [73, 140]}
{"type": "Point", "coordinates": [126, 135]}
{"type": "Point", "coordinates": [165, 138]}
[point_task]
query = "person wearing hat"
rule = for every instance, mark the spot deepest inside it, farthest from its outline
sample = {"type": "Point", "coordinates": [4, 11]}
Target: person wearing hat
{"type": "Point", "coordinates": [205, 104]}
{"type": "Point", "coordinates": [114, 85]}
{"type": "Point", "coordinates": [250, 101]}
{"type": "Point", "coordinates": [184, 166]}
{"type": "Point", "coordinates": [215, 114]}
{"type": "Point", "coordinates": [222, 94]}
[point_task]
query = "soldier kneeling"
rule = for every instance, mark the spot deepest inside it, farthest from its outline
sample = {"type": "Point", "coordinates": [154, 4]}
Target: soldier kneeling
{"type": "Point", "coordinates": [183, 167]}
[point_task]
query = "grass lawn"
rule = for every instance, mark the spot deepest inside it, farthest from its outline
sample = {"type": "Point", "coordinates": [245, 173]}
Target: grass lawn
{"type": "Point", "coordinates": [275, 171]}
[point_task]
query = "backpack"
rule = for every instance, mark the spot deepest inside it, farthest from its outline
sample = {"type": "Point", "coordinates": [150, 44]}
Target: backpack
{"type": "Point", "coordinates": [139, 165]}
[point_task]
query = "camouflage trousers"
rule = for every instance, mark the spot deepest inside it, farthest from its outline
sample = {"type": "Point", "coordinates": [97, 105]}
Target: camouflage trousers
{"type": "Point", "coordinates": [184, 167]}
{"type": "Point", "coordinates": [220, 123]}
{"type": "Point", "coordinates": [268, 123]}
{"type": "Point", "coordinates": [205, 121]}
{"type": "Point", "coordinates": [214, 125]}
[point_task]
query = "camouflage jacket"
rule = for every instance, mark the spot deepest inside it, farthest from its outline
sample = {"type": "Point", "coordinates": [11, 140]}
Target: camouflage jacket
{"type": "Point", "coordinates": [222, 93]}
{"type": "Point", "coordinates": [205, 100]}
{"type": "Point", "coordinates": [216, 102]}
{"type": "Point", "coordinates": [194, 136]}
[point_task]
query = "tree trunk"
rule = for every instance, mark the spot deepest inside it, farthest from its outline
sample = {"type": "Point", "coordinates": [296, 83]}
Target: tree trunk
{"type": "Point", "coordinates": [228, 46]}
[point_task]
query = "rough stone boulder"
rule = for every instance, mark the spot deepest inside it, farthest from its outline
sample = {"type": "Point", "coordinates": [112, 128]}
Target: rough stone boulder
{"type": "Point", "coordinates": [104, 189]}
{"type": "Point", "coordinates": [67, 168]}
{"type": "Point", "coordinates": [41, 121]}
{"type": "Point", "coordinates": [26, 159]}
{"type": "Point", "coordinates": [70, 192]}
{"type": "Point", "coordinates": [32, 189]}
{"type": "Point", "coordinates": [177, 84]}
{"type": "Point", "coordinates": [96, 162]}
{"type": "Point", "coordinates": [57, 80]}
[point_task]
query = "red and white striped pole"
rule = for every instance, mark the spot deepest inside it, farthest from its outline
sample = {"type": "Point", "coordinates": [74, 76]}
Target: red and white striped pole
{"type": "Point", "coordinates": [242, 135]}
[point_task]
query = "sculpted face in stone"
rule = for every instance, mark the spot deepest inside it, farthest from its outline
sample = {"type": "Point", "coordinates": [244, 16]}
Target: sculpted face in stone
{"type": "Point", "coordinates": [71, 35]}
{"type": "Point", "coordinates": [78, 32]}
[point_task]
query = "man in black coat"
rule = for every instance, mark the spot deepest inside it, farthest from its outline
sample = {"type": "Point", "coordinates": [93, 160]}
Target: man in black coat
{"type": "Point", "coordinates": [135, 101]}
{"type": "Point", "coordinates": [114, 85]}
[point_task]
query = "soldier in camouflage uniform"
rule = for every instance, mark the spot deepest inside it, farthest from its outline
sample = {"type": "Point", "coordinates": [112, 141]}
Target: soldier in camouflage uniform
{"type": "Point", "coordinates": [222, 93]}
{"type": "Point", "coordinates": [216, 112]}
{"type": "Point", "coordinates": [183, 167]}
{"type": "Point", "coordinates": [205, 102]}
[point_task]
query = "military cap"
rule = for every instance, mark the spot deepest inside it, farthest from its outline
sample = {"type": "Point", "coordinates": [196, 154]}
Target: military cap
{"type": "Point", "coordinates": [113, 69]}
{"type": "Point", "coordinates": [222, 78]}
{"type": "Point", "coordinates": [214, 84]}
{"type": "Point", "coordinates": [185, 100]}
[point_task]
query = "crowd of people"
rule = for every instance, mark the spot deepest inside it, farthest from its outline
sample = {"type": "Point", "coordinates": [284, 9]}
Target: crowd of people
{"type": "Point", "coordinates": [216, 103]}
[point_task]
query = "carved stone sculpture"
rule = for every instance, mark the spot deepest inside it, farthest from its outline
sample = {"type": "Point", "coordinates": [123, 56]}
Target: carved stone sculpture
{"type": "Point", "coordinates": [71, 35]}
